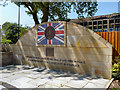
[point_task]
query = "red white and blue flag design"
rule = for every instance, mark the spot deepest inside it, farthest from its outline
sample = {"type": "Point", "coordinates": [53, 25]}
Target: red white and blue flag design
{"type": "Point", "coordinates": [51, 34]}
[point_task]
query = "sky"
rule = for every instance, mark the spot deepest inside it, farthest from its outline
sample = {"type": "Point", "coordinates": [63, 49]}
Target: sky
{"type": "Point", "coordinates": [9, 13]}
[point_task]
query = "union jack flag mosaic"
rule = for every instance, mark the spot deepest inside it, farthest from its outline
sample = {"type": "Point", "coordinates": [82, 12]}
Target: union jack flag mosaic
{"type": "Point", "coordinates": [51, 34]}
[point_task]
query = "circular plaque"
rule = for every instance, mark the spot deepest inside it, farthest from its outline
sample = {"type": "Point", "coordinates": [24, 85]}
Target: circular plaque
{"type": "Point", "coordinates": [49, 32]}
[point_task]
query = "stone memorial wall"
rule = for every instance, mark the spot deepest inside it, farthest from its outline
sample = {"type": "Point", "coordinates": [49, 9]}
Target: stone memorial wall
{"type": "Point", "coordinates": [64, 46]}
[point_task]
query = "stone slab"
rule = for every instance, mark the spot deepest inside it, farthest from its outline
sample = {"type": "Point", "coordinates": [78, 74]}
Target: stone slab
{"type": "Point", "coordinates": [92, 85]}
{"type": "Point", "coordinates": [66, 79]}
{"type": "Point", "coordinates": [18, 84]}
{"type": "Point", "coordinates": [76, 83]}
{"type": "Point", "coordinates": [56, 82]}
{"type": "Point", "coordinates": [53, 79]}
{"type": "Point", "coordinates": [99, 81]}
{"type": "Point", "coordinates": [39, 81]}
{"type": "Point", "coordinates": [24, 79]}
{"type": "Point", "coordinates": [50, 86]}
{"type": "Point", "coordinates": [2, 87]}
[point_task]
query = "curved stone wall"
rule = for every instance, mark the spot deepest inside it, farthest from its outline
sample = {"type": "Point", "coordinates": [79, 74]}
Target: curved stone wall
{"type": "Point", "coordinates": [72, 48]}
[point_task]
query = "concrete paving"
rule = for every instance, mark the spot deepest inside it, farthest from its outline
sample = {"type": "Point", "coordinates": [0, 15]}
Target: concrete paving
{"type": "Point", "coordinates": [21, 76]}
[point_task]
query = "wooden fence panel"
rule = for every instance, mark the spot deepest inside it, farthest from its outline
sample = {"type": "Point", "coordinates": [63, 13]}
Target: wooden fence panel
{"type": "Point", "coordinates": [107, 36]}
{"type": "Point", "coordinates": [116, 43]}
{"type": "Point", "coordinates": [104, 35]}
{"type": "Point", "coordinates": [110, 38]}
{"type": "Point", "coordinates": [114, 39]}
{"type": "Point", "coordinates": [119, 42]}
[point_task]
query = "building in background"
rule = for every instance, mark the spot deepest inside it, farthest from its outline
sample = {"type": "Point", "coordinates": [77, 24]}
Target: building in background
{"type": "Point", "coordinates": [103, 23]}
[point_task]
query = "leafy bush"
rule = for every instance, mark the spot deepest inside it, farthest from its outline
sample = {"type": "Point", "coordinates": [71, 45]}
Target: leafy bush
{"type": "Point", "coordinates": [116, 70]}
{"type": "Point", "coordinates": [10, 32]}
{"type": "Point", "coordinates": [5, 41]}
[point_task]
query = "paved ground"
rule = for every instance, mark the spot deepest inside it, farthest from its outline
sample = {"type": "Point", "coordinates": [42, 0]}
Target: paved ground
{"type": "Point", "coordinates": [20, 76]}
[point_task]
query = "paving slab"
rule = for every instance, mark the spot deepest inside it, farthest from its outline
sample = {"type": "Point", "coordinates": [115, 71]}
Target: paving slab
{"type": "Point", "coordinates": [65, 87]}
{"type": "Point", "coordinates": [2, 87]}
{"type": "Point", "coordinates": [5, 75]}
{"type": "Point", "coordinates": [39, 81]}
{"type": "Point", "coordinates": [97, 83]}
{"type": "Point", "coordinates": [15, 76]}
{"type": "Point", "coordinates": [76, 83]}
{"type": "Point", "coordinates": [6, 80]}
{"type": "Point", "coordinates": [26, 71]}
{"type": "Point", "coordinates": [50, 86]}
{"type": "Point", "coordinates": [100, 81]}
{"type": "Point", "coordinates": [18, 84]}
{"type": "Point", "coordinates": [23, 79]}
{"type": "Point", "coordinates": [20, 77]}
{"type": "Point", "coordinates": [66, 79]}
{"type": "Point", "coordinates": [93, 85]}
{"type": "Point", "coordinates": [33, 76]}
{"type": "Point", "coordinates": [26, 85]}
{"type": "Point", "coordinates": [56, 82]}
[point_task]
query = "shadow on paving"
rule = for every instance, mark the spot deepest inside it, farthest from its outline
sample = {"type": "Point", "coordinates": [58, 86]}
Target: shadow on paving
{"type": "Point", "coordinates": [38, 77]}
{"type": "Point", "coordinates": [8, 86]}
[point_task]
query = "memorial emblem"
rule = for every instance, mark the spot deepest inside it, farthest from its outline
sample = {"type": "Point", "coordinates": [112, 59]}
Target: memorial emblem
{"type": "Point", "coordinates": [51, 33]}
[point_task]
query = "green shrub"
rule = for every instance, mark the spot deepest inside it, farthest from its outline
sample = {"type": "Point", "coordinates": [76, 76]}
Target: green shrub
{"type": "Point", "coordinates": [5, 41]}
{"type": "Point", "coordinates": [116, 70]}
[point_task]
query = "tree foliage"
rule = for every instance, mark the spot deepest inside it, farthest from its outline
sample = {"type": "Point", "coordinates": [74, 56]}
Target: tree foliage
{"type": "Point", "coordinates": [10, 32]}
{"type": "Point", "coordinates": [57, 10]}
{"type": "Point", "coordinates": [5, 41]}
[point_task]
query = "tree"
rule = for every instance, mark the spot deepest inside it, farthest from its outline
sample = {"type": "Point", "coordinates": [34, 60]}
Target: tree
{"type": "Point", "coordinates": [57, 10]}
{"type": "Point", "coordinates": [10, 32]}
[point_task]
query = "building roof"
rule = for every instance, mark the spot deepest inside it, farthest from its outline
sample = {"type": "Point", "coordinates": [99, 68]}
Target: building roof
{"type": "Point", "coordinates": [114, 15]}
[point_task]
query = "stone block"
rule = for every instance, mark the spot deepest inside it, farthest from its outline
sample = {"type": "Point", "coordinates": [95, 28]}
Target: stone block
{"type": "Point", "coordinates": [98, 58]}
{"type": "Point", "coordinates": [109, 45]}
{"type": "Point", "coordinates": [79, 31]}
{"type": "Point", "coordinates": [6, 58]}
{"type": "Point", "coordinates": [70, 29]}
{"type": "Point", "coordinates": [84, 41]}
{"type": "Point", "coordinates": [85, 31]}
{"type": "Point", "coordinates": [103, 40]}
{"type": "Point", "coordinates": [17, 58]}
{"type": "Point", "coordinates": [68, 53]}
{"type": "Point", "coordinates": [104, 73]}
{"type": "Point", "coordinates": [96, 36]}
{"type": "Point", "coordinates": [18, 48]}
{"type": "Point", "coordinates": [29, 50]}
{"type": "Point", "coordinates": [90, 31]}
{"type": "Point", "coordinates": [95, 51]}
{"type": "Point", "coordinates": [26, 40]}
